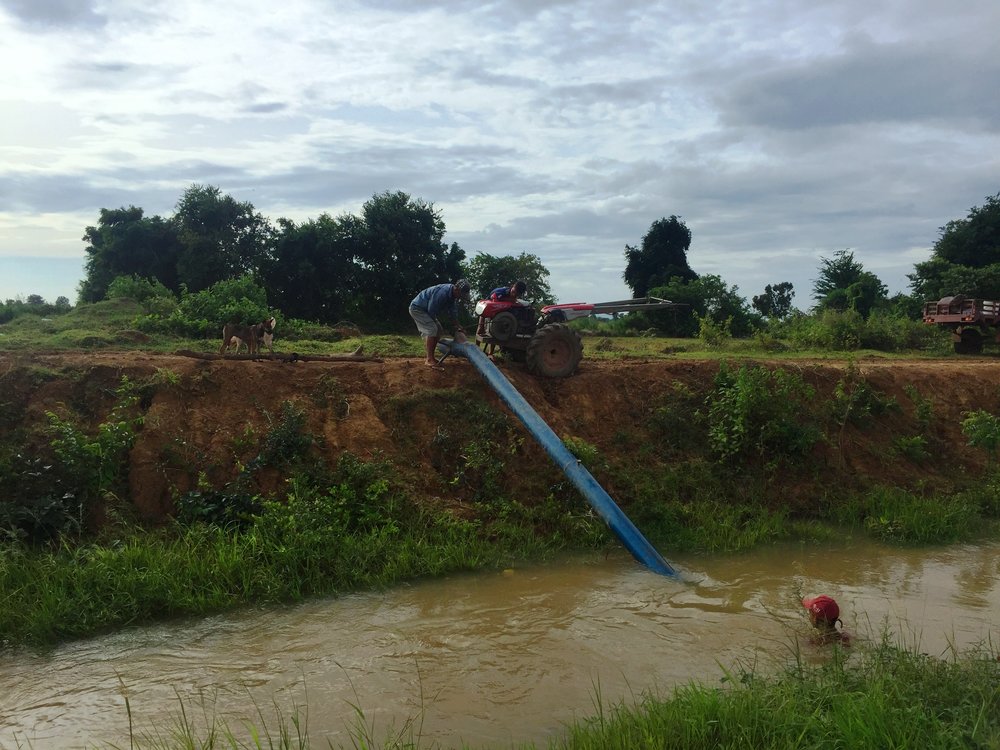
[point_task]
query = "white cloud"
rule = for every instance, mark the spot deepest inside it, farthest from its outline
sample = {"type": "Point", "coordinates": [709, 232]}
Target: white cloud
{"type": "Point", "coordinates": [779, 132]}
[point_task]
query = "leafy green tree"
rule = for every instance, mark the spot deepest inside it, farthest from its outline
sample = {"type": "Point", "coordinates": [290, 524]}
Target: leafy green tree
{"type": "Point", "coordinates": [662, 257]}
{"type": "Point", "coordinates": [776, 301]}
{"type": "Point", "coordinates": [836, 273]}
{"type": "Point", "coordinates": [937, 278]}
{"type": "Point", "coordinates": [706, 297]}
{"type": "Point", "coordinates": [965, 259]}
{"type": "Point", "coordinates": [313, 273]}
{"type": "Point", "coordinates": [905, 306]}
{"type": "Point", "coordinates": [844, 284]}
{"type": "Point", "coordinates": [125, 243]}
{"type": "Point", "coordinates": [975, 240]}
{"type": "Point", "coordinates": [220, 237]}
{"type": "Point", "coordinates": [401, 251]}
{"type": "Point", "coordinates": [486, 272]}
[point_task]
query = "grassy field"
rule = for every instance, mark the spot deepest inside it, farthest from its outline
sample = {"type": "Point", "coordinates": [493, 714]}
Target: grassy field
{"type": "Point", "coordinates": [111, 325]}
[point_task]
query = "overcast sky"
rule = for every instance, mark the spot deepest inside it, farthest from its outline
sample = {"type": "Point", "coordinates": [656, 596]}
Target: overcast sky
{"type": "Point", "coordinates": [779, 131]}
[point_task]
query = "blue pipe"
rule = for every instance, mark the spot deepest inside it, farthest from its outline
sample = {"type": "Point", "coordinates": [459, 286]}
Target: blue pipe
{"type": "Point", "coordinates": [599, 500]}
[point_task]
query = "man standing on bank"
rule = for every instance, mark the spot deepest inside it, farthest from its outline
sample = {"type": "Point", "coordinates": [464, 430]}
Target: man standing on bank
{"type": "Point", "coordinates": [432, 303]}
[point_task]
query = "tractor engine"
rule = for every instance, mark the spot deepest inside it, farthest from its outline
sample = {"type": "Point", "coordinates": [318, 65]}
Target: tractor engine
{"type": "Point", "coordinates": [503, 322]}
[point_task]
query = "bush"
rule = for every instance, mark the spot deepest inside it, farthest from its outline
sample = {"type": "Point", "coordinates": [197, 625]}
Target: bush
{"type": "Point", "coordinates": [204, 313]}
{"type": "Point", "coordinates": [847, 330]}
{"type": "Point", "coordinates": [143, 291]}
{"type": "Point", "coordinates": [756, 414]}
{"type": "Point", "coordinates": [43, 496]}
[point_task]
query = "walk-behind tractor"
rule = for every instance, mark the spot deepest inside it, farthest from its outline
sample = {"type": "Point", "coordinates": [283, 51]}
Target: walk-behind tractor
{"type": "Point", "coordinates": [544, 341]}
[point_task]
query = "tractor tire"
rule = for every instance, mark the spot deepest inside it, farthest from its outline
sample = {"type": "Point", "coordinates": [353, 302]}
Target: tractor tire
{"type": "Point", "coordinates": [503, 327]}
{"type": "Point", "coordinates": [554, 351]}
{"type": "Point", "coordinates": [970, 343]}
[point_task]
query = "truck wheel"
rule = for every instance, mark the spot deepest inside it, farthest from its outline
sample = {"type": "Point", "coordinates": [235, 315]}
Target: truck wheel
{"type": "Point", "coordinates": [970, 343]}
{"type": "Point", "coordinates": [554, 351]}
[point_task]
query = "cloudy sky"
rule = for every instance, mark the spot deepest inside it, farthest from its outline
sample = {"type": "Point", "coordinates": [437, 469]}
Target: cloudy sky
{"type": "Point", "coordinates": [779, 131]}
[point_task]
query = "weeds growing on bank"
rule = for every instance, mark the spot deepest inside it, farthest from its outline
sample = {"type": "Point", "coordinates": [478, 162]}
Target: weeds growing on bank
{"type": "Point", "coordinates": [322, 540]}
{"type": "Point", "coordinates": [883, 696]}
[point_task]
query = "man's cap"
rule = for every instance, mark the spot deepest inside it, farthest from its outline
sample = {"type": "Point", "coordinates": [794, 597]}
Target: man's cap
{"type": "Point", "coordinates": [822, 607]}
{"type": "Point", "coordinates": [463, 287]}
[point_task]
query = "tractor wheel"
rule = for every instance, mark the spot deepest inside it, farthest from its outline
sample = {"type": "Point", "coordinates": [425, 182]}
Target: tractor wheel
{"type": "Point", "coordinates": [554, 351]}
{"type": "Point", "coordinates": [970, 343]}
{"type": "Point", "coordinates": [503, 327]}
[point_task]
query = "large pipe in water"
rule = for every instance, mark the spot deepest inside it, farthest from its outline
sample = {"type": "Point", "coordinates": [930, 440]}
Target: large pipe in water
{"type": "Point", "coordinates": [598, 498]}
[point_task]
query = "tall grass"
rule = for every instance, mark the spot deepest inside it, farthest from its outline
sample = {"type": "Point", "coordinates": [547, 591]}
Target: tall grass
{"type": "Point", "coordinates": [883, 697]}
{"type": "Point", "coordinates": [75, 590]}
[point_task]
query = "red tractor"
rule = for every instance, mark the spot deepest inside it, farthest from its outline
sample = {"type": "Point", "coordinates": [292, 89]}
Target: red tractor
{"type": "Point", "coordinates": [544, 341]}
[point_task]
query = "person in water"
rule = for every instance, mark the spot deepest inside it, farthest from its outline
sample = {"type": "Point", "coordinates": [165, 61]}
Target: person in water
{"type": "Point", "coordinates": [824, 614]}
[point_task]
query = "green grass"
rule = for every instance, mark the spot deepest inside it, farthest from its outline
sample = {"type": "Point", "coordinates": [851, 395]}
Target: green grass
{"type": "Point", "coordinates": [110, 325]}
{"type": "Point", "coordinates": [882, 697]}
{"type": "Point", "coordinates": [336, 530]}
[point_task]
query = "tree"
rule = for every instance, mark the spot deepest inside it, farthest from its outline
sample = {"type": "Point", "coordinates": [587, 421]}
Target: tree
{"type": "Point", "coordinates": [776, 301]}
{"type": "Point", "coordinates": [844, 284]}
{"type": "Point", "coordinates": [125, 243]}
{"type": "Point", "coordinates": [312, 272]}
{"type": "Point", "coordinates": [663, 257]}
{"type": "Point", "coordinates": [401, 251]}
{"type": "Point", "coordinates": [706, 297]}
{"type": "Point", "coordinates": [965, 259]}
{"type": "Point", "coordinates": [975, 240]}
{"type": "Point", "coordinates": [838, 272]}
{"type": "Point", "coordinates": [486, 272]}
{"type": "Point", "coordinates": [220, 237]}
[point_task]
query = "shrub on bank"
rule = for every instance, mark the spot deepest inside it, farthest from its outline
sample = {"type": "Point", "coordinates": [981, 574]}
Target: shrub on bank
{"type": "Point", "coordinates": [847, 330]}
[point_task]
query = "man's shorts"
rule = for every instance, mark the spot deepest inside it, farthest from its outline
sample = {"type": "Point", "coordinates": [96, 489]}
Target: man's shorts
{"type": "Point", "coordinates": [427, 325]}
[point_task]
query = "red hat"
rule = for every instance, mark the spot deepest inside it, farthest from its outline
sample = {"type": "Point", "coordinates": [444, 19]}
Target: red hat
{"type": "Point", "coordinates": [822, 608]}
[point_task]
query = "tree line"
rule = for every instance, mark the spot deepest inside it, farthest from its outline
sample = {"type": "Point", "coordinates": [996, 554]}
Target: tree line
{"type": "Point", "coordinates": [365, 268]}
{"type": "Point", "coordinates": [965, 259]}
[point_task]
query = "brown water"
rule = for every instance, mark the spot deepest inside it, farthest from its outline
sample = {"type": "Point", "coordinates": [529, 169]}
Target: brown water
{"type": "Point", "coordinates": [492, 659]}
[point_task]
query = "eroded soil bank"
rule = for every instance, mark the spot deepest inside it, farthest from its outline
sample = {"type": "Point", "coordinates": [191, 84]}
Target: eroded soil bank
{"type": "Point", "coordinates": [204, 418]}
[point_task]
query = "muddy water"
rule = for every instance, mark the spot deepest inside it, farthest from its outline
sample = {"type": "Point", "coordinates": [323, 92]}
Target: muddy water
{"type": "Point", "coordinates": [492, 659]}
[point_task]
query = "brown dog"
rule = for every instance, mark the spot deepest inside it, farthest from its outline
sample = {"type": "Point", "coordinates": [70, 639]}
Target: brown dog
{"type": "Point", "coordinates": [235, 336]}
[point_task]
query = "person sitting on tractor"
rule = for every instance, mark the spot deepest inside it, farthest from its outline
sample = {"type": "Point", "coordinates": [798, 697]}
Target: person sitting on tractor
{"type": "Point", "coordinates": [501, 294]}
{"type": "Point", "coordinates": [509, 293]}
{"type": "Point", "coordinates": [431, 303]}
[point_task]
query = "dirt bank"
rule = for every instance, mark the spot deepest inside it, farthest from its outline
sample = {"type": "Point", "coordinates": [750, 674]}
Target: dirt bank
{"type": "Point", "coordinates": [200, 415]}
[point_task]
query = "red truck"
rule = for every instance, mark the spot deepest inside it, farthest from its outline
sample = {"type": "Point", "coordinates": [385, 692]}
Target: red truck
{"type": "Point", "coordinates": [971, 320]}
